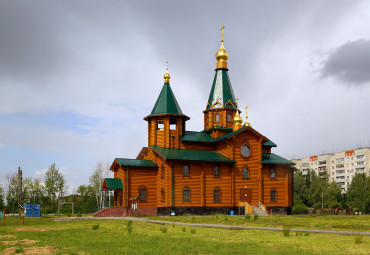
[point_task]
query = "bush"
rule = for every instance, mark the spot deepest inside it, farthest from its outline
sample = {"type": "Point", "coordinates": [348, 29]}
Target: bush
{"type": "Point", "coordinates": [192, 231]}
{"type": "Point", "coordinates": [300, 209]}
{"type": "Point", "coordinates": [95, 227]}
{"type": "Point", "coordinates": [164, 229]}
{"type": "Point", "coordinates": [358, 239]}
{"type": "Point", "coordinates": [183, 229]}
{"type": "Point", "coordinates": [226, 218]}
{"type": "Point", "coordinates": [129, 226]}
{"type": "Point", "coordinates": [296, 233]}
{"type": "Point", "coordinates": [19, 250]}
{"type": "Point", "coordinates": [286, 231]}
{"type": "Point", "coordinates": [247, 217]}
{"type": "Point", "coordinates": [255, 217]}
{"type": "Point", "coordinates": [306, 233]}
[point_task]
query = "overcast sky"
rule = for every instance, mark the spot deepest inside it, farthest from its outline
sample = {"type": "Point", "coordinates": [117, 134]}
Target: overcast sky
{"type": "Point", "coordinates": [77, 77]}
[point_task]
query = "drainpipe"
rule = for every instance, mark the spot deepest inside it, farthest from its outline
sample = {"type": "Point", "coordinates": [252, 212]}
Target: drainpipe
{"type": "Point", "coordinates": [172, 184]}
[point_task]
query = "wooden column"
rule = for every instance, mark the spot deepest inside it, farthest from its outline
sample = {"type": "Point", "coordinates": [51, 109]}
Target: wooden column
{"type": "Point", "coordinates": [202, 186]}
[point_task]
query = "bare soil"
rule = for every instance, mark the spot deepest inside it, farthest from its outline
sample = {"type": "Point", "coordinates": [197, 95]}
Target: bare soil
{"type": "Point", "coordinates": [32, 250]}
{"type": "Point", "coordinates": [33, 229]}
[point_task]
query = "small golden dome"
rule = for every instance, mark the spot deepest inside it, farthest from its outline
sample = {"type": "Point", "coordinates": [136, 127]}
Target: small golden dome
{"type": "Point", "coordinates": [167, 76]}
{"type": "Point", "coordinates": [222, 54]}
{"type": "Point", "coordinates": [237, 118]}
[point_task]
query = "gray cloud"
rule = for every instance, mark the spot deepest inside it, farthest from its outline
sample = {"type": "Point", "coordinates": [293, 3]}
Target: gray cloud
{"type": "Point", "coordinates": [349, 63]}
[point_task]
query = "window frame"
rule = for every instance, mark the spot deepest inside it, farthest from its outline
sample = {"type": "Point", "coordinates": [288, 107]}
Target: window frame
{"type": "Point", "coordinates": [160, 122]}
{"type": "Point", "coordinates": [143, 187]}
{"type": "Point", "coordinates": [273, 197]}
{"type": "Point", "coordinates": [245, 143]}
{"type": "Point", "coordinates": [270, 171]}
{"type": "Point", "coordinates": [217, 189]}
{"type": "Point", "coordinates": [187, 189]}
{"type": "Point", "coordinates": [214, 171]}
{"type": "Point", "coordinates": [188, 174]}
{"type": "Point", "coordinates": [229, 117]}
{"type": "Point", "coordinates": [248, 171]}
{"type": "Point", "coordinates": [217, 115]}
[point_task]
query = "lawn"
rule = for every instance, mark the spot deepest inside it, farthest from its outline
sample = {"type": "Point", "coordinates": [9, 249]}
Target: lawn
{"type": "Point", "coordinates": [328, 222]}
{"type": "Point", "coordinates": [112, 237]}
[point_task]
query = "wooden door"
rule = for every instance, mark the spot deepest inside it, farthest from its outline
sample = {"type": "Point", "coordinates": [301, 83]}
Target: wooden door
{"type": "Point", "coordinates": [246, 195]}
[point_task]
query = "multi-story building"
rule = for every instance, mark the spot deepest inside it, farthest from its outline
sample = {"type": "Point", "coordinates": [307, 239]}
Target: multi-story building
{"type": "Point", "coordinates": [340, 167]}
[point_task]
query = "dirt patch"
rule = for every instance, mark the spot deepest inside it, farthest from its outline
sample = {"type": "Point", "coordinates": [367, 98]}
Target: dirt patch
{"type": "Point", "coordinates": [33, 229]}
{"type": "Point", "coordinates": [6, 236]}
{"type": "Point", "coordinates": [32, 250]}
{"type": "Point", "coordinates": [24, 241]}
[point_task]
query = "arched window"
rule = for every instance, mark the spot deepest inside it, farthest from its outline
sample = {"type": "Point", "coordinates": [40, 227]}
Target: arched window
{"type": "Point", "coordinates": [163, 197]}
{"type": "Point", "coordinates": [245, 172]}
{"type": "Point", "coordinates": [162, 172]}
{"type": "Point", "coordinates": [143, 194]}
{"type": "Point", "coordinates": [185, 170]}
{"type": "Point", "coordinates": [245, 150]}
{"type": "Point", "coordinates": [229, 119]}
{"type": "Point", "coordinates": [216, 171]}
{"type": "Point", "coordinates": [217, 194]}
{"type": "Point", "coordinates": [186, 194]}
{"type": "Point", "coordinates": [273, 195]}
{"type": "Point", "coordinates": [272, 173]}
{"type": "Point", "coordinates": [217, 117]}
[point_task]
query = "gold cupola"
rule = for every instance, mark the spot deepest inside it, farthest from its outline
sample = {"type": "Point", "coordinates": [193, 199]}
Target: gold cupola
{"type": "Point", "coordinates": [222, 55]}
{"type": "Point", "coordinates": [167, 76]}
{"type": "Point", "coordinates": [247, 123]}
{"type": "Point", "coordinates": [238, 120]}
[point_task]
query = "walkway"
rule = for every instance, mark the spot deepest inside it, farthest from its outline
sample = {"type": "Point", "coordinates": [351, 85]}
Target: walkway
{"type": "Point", "coordinates": [316, 231]}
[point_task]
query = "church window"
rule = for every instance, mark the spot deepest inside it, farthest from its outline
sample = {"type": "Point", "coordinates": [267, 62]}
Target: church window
{"type": "Point", "coordinates": [163, 197]}
{"type": "Point", "coordinates": [216, 171]}
{"type": "Point", "coordinates": [162, 172]}
{"type": "Point", "coordinates": [172, 124]}
{"type": "Point", "coordinates": [245, 172]}
{"type": "Point", "coordinates": [229, 117]}
{"type": "Point", "coordinates": [142, 194]}
{"type": "Point", "coordinates": [272, 173]}
{"type": "Point", "coordinates": [273, 195]}
{"type": "Point", "coordinates": [245, 151]}
{"type": "Point", "coordinates": [160, 125]}
{"type": "Point", "coordinates": [186, 194]}
{"type": "Point", "coordinates": [186, 170]}
{"type": "Point", "coordinates": [217, 117]}
{"type": "Point", "coordinates": [217, 194]}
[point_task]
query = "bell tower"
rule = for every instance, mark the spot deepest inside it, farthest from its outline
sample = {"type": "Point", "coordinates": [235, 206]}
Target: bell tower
{"type": "Point", "coordinates": [221, 106]}
{"type": "Point", "coordinates": [166, 122]}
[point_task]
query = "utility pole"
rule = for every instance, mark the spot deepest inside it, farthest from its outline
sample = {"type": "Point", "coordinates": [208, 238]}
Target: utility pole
{"type": "Point", "coordinates": [20, 191]}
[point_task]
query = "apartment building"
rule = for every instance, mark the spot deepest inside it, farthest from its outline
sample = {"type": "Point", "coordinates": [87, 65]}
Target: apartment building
{"type": "Point", "coordinates": [341, 167]}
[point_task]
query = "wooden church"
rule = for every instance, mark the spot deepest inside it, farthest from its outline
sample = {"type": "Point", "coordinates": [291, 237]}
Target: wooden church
{"type": "Point", "coordinates": [226, 168]}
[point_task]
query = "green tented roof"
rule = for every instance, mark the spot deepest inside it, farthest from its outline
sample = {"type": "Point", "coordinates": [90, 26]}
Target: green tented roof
{"type": "Point", "coordinates": [166, 102]}
{"type": "Point", "coordinates": [114, 183]}
{"type": "Point", "coordinates": [222, 93]}
{"type": "Point", "coordinates": [217, 128]}
{"type": "Point", "coordinates": [135, 162]}
{"type": "Point", "coordinates": [271, 158]}
{"type": "Point", "coordinates": [193, 136]}
{"type": "Point", "coordinates": [191, 155]}
{"type": "Point", "coordinates": [269, 144]}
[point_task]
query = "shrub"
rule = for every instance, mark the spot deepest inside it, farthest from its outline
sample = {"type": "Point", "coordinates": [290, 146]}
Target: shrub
{"type": "Point", "coordinates": [296, 233]}
{"type": "Point", "coordinates": [358, 239]}
{"type": "Point", "coordinates": [19, 250]}
{"type": "Point", "coordinates": [300, 209]}
{"type": "Point", "coordinates": [183, 229]}
{"type": "Point", "coordinates": [164, 229]}
{"type": "Point", "coordinates": [286, 231]}
{"type": "Point", "coordinates": [247, 217]}
{"type": "Point", "coordinates": [173, 225]}
{"type": "Point", "coordinates": [192, 231]}
{"type": "Point", "coordinates": [226, 218]}
{"type": "Point", "coordinates": [255, 217]}
{"type": "Point", "coordinates": [306, 233]}
{"type": "Point", "coordinates": [129, 226]}
{"type": "Point", "coordinates": [79, 215]}
{"type": "Point", "coordinates": [95, 227]}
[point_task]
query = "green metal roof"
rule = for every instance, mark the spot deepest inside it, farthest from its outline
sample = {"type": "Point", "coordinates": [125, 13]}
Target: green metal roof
{"type": "Point", "coordinates": [269, 144]}
{"type": "Point", "coordinates": [271, 158]}
{"type": "Point", "coordinates": [230, 134]}
{"type": "Point", "coordinates": [191, 155]}
{"type": "Point", "coordinates": [114, 183]}
{"type": "Point", "coordinates": [217, 127]}
{"type": "Point", "coordinates": [193, 136]}
{"type": "Point", "coordinates": [135, 162]}
{"type": "Point", "coordinates": [166, 102]}
{"type": "Point", "coordinates": [222, 93]}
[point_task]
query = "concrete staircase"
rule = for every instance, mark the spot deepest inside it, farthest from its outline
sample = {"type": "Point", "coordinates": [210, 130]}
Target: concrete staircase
{"type": "Point", "coordinates": [259, 210]}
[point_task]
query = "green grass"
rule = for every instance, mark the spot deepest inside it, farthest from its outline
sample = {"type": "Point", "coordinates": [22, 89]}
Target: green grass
{"type": "Point", "coordinates": [328, 222]}
{"type": "Point", "coordinates": [112, 237]}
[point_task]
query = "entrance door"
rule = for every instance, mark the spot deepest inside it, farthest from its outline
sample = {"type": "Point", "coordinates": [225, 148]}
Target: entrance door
{"type": "Point", "coordinates": [246, 195]}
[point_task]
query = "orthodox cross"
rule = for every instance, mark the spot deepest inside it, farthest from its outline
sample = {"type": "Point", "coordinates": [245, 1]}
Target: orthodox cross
{"type": "Point", "coordinates": [222, 29]}
{"type": "Point", "coordinates": [167, 65]}
{"type": "Point", "coordinates": [237, 102]}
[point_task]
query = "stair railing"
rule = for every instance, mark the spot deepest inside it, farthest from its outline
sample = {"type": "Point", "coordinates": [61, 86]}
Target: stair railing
{"type": "Point", "coordinates": [262, 207]}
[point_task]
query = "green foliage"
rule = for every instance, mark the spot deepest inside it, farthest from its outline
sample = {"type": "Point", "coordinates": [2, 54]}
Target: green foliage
{"type": "Point", "coordinates": [300, 209]}
{"type": "Point", "coordinates": [183, 229]}
{"type": "Point", "coordinates": [19, 250]}
{"type": "Point", "coordinates": [95, 227]}
{"type": "Point", "coordinates": [306, 233]}
{"type": "Point", "coordinates": [286, 232]}
{"type": "Point", "coordinates": [255, 217]}
{"type": "Point", "coordinates": [192, 230]}
{"type": "Point", "coordinates": [129, 226]}
{"type": "Point", "coordinates": [2, 197]}
{"type": "Point", "coordinates": [226, 218]}
{"type": "Point", "coordinates": [358, 193]}
{"type": "Point", "coordinates": [164, 229]}
{"type": "Point", "coordinates": [54, 184]}
{"type": "Point", "coordinates": [247, 217]}
{"type": "Point", "coordinates": [358, 239]}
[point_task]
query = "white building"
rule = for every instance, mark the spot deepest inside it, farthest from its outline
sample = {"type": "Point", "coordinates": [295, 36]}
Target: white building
{"type": "Point", "coordinates": [340, 167]}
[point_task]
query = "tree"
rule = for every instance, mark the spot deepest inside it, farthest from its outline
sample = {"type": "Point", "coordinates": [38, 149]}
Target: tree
{"type": "Point", "coordinates": [12, 192]}
{"type": "Point", "coordinates": [96, 181]}
{"type": "Point", "coordinates": [2, 196]}
{"type": "Point", "coordinates": [54, 184]}
{"type": "Point", "coordinates": [358, 194]}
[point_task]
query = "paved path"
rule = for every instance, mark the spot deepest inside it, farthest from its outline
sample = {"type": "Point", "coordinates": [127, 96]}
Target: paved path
{"type": "Point", "coordinates": [317, 231]}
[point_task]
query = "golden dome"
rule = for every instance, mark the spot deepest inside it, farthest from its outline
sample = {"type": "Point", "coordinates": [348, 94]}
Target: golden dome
{"type": "Point", "coordinates": [237, 118]}
{"type": "Point", "coordinates": [167, 76]}
{"type": "Point", "coordinates": [222, 54]}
